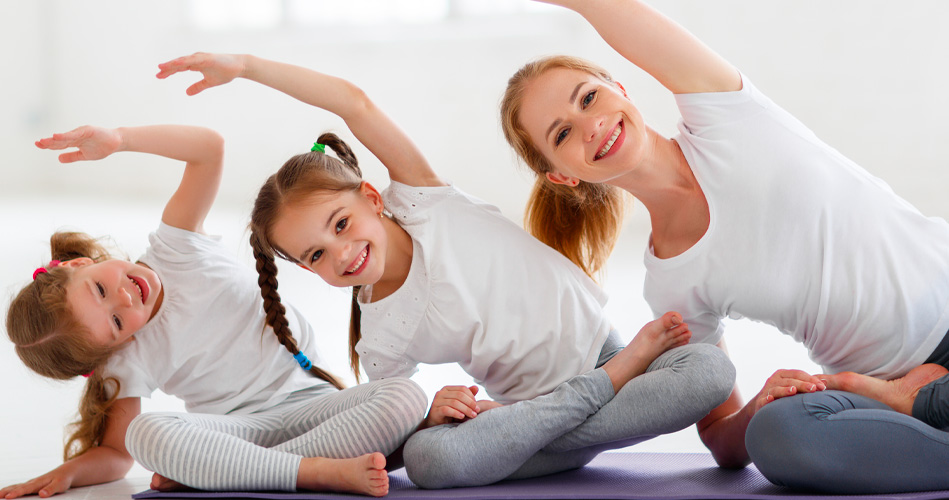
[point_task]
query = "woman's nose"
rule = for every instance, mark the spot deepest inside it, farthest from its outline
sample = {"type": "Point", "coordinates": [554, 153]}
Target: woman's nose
{"type": "Point", "coordinates": [591, 127]}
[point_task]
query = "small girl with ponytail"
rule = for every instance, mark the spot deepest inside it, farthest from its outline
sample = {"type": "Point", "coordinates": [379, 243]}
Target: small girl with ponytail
{"type": "Point", "coordinates": [187, 318]}
{"type": "Point", "coordinates": [447, 279]}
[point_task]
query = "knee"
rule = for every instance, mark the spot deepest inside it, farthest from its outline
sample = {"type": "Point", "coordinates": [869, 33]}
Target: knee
{"type": "Point", "coordinates": [720, 370]}
{"type": "Point", "coordinates": [407, 397]}
{"type": "Point", "coordinates": [144, 434]}
{"type": "Point", "coordinates": [784, 439]}
{"type": "Point", "coordinates": [430, 460]}
{"type": "Point", "coordinates": [710, 372]}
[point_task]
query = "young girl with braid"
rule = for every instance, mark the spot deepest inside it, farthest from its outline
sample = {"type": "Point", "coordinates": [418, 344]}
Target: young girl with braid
{"type": "Point", "coordinates": [517, 316]}
{"type": "Point", "coordinates": [187, 318]}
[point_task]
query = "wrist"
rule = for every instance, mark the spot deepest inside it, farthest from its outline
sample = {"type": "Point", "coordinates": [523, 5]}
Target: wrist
{"type": "Point", "coordinates": [122, 136]}
{"type": "Point", "coordinates": [248, 66]}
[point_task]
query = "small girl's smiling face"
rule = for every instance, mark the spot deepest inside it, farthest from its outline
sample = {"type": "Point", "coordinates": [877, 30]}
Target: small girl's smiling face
{"type": "Point", "coordinates": [113, 299]}
{"type": "Point", "coordinates": [337, 235]}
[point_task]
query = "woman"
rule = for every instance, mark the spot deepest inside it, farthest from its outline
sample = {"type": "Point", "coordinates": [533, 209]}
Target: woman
{"type": "Point", "coordinates": [752, 216]}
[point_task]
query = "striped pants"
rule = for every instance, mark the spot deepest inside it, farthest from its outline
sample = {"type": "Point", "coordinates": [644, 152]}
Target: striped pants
{"type": "Point", "coordinates": [263, 450]}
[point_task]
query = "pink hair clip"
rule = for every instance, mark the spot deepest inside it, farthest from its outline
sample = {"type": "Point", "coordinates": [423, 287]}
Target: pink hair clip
{"type": "Point", "coordinates": [41, 270]}
{"type": "Point", "coordinates": [87, 375]}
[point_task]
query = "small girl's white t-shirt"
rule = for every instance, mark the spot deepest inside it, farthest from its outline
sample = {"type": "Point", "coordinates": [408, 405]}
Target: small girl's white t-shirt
{"type": "Point", "coordinates": [481, 292]}
{"type": "Point", "coordinates": [803, 239]}
{"type": "Point", "coordinates": [209, 344]}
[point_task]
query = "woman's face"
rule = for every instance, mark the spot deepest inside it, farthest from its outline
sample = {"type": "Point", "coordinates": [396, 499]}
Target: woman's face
{"type": "Point", "coordinates": [113, 299]}
{"type": "Point", "coordinates": [339, 236]}
{"type": "Point", "coordinates": [586, 128]}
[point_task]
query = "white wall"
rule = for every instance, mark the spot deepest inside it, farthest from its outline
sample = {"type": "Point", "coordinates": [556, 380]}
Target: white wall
{"type": "Point", "coordinates": [867, 76]}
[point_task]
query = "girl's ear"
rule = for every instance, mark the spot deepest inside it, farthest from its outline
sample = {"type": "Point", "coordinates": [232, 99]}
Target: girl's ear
{"type": "Point", "coordinates": [372, 195]}
{"type": "Point", "coordinates": [77, 262]}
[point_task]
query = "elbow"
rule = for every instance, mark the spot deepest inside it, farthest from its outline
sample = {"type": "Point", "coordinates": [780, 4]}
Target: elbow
{"type": "Point", "coordinates": [215, 145]}
{"type": "Point", "coordinates": [730, 460]}
{"type": "Point", "coordinates": [359, 105]}
{"type": "Point", "coordinates": [726, 454]}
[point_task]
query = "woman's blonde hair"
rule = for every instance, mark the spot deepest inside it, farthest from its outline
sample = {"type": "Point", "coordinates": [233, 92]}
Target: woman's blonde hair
{"type": "Point", "coordinates": [51, 341]}
{"type": "Point", "coordinates": [580, 222]}
{"type": "Point", "coordinates": [299, 178]}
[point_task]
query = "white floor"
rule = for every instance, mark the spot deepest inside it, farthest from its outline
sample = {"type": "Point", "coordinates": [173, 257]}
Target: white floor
{"type": "Point", "coordinates": [35, 410]}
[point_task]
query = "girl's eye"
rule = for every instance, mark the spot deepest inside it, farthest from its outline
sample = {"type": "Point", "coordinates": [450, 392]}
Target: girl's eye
{"type": "Point", "coordinates": [101, 289]}
{"type": "Point", "coordinates": [587, 99]}
{"type": "Point", "coordinates": [117, 321]}
{"type": "Point", "coordinates": [341, 224]}
{"type": "Point", "coordinates": [316, 255]}
{"type": "Point", "coordinates": [561, 136]}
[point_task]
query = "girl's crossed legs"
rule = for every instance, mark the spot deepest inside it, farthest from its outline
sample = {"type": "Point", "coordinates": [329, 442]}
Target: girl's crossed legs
{"type": "Point", "coordinates": [570, 426]}
{"type": "Point", "coordinates": [285, 447]}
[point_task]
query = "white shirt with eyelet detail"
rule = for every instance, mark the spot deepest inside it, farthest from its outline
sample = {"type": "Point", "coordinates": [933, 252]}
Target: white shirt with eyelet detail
{"type": "Point", "coordinates": [481, 292]}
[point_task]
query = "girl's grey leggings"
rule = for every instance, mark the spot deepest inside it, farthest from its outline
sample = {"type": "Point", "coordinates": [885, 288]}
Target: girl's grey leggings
{"type": "Point", "coordinates": [263, 450]}
{"type": "Point", "coordinates": [570, 426]}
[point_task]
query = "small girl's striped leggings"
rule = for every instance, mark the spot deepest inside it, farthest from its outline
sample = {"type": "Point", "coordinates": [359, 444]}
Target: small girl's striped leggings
{"type": "Point", "coordinates": [263, 450]}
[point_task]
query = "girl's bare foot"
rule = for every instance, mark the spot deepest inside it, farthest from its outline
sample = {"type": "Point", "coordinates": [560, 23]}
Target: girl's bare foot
{"type": "Point", "coordinates": [652, 340]}
{"type": "Point", "coordinates": [898, 394]}
{"type": "Point", "coordinates": [365, 475]}
{"type": "Point", "coordinates": [162, 483]}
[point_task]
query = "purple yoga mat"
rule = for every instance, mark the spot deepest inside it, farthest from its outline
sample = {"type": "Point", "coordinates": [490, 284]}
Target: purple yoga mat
{"type": "Point", "coordinates": [621, 476]}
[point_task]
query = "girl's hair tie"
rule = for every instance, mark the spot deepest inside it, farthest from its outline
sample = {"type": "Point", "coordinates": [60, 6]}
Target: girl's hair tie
{"type": "Point", "coordinates": [318, 147]}
{"type": "Point", "coordinates": [87, 375]}
{"type": "Point", "coordinates": [41, 270]}
{"type": "Point", "coordinates": [302, 359]}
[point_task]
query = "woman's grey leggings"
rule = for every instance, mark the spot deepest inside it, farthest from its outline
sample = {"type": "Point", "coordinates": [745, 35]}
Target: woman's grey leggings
{"type": "Point", "coordinates": [570, 426]}
{"type": "Point", "coordinates": [263, 450]}
{"type": "Point", "coordinates": [838, 442]}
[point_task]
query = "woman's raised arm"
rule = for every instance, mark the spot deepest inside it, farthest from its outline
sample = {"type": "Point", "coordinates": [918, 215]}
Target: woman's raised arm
{"type": "Point", "coordinates": [658, 45]}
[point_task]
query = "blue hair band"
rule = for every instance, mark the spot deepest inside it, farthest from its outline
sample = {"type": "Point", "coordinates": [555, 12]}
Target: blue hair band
{"type": "Point", "coordinates": [302, 359]}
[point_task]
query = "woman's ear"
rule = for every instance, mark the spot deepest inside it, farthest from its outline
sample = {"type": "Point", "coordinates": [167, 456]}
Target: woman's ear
{"type": "Point", "coordinates": [372, 195]}
{"type": "Point", "coordinates": [558, 178]}
{"type": "Point", "coordinates": [622, 88]}
{"type": "Point", "coordinates": [77, 262]}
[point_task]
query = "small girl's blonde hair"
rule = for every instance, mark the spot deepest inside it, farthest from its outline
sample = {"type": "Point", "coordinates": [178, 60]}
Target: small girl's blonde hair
{"type": "Point", "coordinates": [53, 343]}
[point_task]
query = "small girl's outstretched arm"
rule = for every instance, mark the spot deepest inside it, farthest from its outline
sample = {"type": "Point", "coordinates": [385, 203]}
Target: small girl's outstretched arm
{"type": "Point", "coordinates": [658, 45]}
{"type": "Point", "coordinates": [106, 462]}
{"type": "Point", "coordinates": [369, 124]}
{"type": "Point", "coordinates": [201, 149]}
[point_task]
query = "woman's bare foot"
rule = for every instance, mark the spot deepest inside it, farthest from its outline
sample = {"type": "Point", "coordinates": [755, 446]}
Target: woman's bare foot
{"type": "Point", "coordinates": [652, 340]}
{"type": "Point", "coordinates": [898, 394]}
{"type": "Point", "coordinates": [365, 475]}
{"type": "Point", "coordinates": [162, 483]}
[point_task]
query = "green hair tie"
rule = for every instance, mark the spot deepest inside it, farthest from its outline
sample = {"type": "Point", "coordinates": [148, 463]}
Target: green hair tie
{"type": "Point", "coordinates": [318, 147]}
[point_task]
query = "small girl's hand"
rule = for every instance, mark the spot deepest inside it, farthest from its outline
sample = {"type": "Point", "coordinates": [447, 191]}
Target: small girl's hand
{"type": "Point", "coordinates": [94, 143]}
{"type": "Point", "coordinates": [217, 69]}
{"type": "Point", "coordinates": [453, 403]}
{"type": "Point", "coordinates": [45, 486]}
